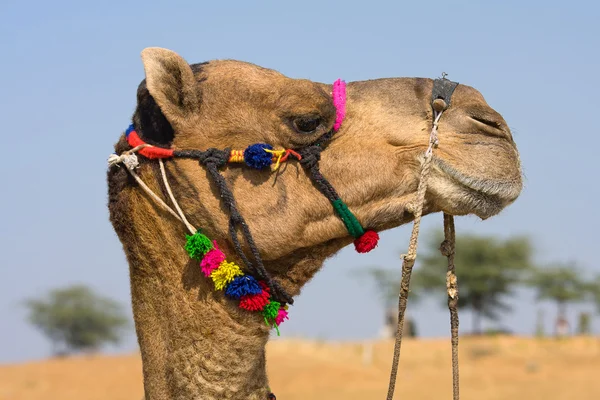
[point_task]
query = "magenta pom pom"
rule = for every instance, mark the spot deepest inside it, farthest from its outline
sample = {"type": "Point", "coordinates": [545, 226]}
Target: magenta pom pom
{"type": "Point", "coordinates": [339, 101]}
{"type": "Point", "coordinates": [212, 260]}
{"type": "Point", "coordinates": [282, 315]}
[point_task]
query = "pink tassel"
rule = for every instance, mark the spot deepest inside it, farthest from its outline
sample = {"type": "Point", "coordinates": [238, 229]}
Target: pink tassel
{"type": "Point", "coordinates": [282, 315]}
{"type": "Point", "coordinates": [212, 260]}
{"type": "Point", "coordinates": [339, 101]}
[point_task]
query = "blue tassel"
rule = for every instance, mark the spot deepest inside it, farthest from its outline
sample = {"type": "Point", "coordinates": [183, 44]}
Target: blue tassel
{"type": "Point", "coordinates": [242, 286]}
{"type": "Point", "coordinates": [255, 156]}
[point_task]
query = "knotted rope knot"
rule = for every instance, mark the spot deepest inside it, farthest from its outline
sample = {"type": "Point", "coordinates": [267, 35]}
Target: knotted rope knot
{"type": "Point", "coordinates": [215, 157]}
{"type": "Point", "coordinates": [236, 217]}
{"type": "Point", "coordinates": [433, 138]}
{"type": "Point", "coordinates": [447, 248]}
{"type": "Point", "coordinates": [408, 257]}
{"type": "Point", "coordinates": [433, 144]}
{"type": "Point", "coordinates": [451, 284]}
{"type": "Point", "coordinates": [127, 158]}
{"type": "Point", "coordinates": [310, 156]}
{"type": "Point", "coordinates": [410, 207]}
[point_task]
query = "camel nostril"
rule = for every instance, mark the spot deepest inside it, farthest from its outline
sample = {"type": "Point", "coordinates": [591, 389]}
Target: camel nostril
{"type": "Point", "coordinates": [489, 122]}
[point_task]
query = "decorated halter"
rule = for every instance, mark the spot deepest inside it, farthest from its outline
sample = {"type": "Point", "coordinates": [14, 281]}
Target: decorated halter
{"type": "Point", "coordinates": [255, 291]}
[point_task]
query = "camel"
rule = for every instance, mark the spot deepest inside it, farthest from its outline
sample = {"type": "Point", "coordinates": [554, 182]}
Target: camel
{"type": "Point", "coordinates": [195, 342]}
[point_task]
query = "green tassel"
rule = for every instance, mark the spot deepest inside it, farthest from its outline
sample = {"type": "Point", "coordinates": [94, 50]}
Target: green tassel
{"type": "Point", "coordinates": [270, 313]}
{"type": "Point", "coordinates": [271, 310]}
{"type": "Point", "coordinates": [354, 227]}
{"type": "Point", "coordinates": [198, 245]}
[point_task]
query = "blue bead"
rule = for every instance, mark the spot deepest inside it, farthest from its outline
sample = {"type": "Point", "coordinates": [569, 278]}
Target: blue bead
{"type": "Point", "coordinates": [255, 156]}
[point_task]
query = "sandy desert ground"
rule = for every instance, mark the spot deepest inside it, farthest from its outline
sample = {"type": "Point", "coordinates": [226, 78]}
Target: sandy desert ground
{"type": "Point", "coordinates": [491, 368]}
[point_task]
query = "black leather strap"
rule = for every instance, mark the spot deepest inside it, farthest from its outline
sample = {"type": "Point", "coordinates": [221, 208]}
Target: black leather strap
{"type": "Point", "coordinates": [443, 89]}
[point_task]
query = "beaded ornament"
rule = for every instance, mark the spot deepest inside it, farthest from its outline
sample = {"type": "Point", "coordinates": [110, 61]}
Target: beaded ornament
{"type": "Point", "coordinates": [253, 295]}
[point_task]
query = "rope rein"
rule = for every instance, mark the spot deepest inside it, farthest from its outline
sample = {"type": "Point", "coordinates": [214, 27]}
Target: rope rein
{"type": "Point", "coordinates": [189, 226]}
{"type": "Point", "coordinates": [447, 249]}
{"type": "Point", "coordinates": [408, 261]}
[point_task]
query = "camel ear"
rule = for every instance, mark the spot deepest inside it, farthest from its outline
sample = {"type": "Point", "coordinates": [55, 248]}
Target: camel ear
{"type": "Point", "coordinates": [171, 83]}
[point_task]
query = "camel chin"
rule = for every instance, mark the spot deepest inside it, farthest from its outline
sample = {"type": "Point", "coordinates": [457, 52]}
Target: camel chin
{"type": "Point", "coordinates": [465, 194]}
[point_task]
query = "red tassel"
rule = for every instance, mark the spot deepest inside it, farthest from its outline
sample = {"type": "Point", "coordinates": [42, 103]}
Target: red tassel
{"type": "Point", "coordinates": [256, 302]}
{"type": "Point", "coordinates": [367, 242]}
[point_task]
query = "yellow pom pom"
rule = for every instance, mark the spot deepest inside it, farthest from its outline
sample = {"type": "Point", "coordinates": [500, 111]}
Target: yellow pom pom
{"type": "Point", "coordinates": [226, 272]}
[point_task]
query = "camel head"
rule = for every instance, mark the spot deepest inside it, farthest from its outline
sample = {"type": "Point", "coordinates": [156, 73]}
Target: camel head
{"type": "Point", "coordinates": [373, 161]}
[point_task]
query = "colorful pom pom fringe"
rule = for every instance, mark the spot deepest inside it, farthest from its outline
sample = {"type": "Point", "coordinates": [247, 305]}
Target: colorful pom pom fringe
{"type": "Point", "coordinates": [253, 295]}
{"type": "Point", "coordinates": [198, 245]}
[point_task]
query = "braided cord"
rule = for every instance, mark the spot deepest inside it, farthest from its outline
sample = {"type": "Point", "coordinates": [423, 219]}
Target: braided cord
{"type": "Point", "coordinates": [311, 156]}
{"type": "Point", "coordinates": [354, 227]}
{"type": "Point", "coordinates": [213, 159]}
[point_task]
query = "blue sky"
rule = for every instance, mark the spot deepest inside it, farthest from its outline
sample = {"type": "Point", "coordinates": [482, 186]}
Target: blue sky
{"type": "Point", "coordinates": [68, 79]}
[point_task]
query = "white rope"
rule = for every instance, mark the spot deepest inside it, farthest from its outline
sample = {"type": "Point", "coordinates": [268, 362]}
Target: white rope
{"type": "Point", "coordinates": [417, 209]}
{"type": "Point", "coordinates": [130, 160]}
{"type": "Point", "coordinates": [152, 194]}
{"type": "Point", "coordinates": [179, 211]}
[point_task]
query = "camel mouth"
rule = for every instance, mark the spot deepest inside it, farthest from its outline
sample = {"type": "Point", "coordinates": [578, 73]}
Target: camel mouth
{"type": "Point", "coordinates": [482, 197]}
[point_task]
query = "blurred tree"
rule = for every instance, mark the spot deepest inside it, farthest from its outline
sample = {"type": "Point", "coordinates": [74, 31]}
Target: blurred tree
{"type": "Point", "coordinates": [488, 270]}
{"type": "Point", "coordinates": [561, 283]}
{"type": "Point", "coordinates": [539, 324]}
{"type": "Point", "coordinates": [76, 319]}
{"type": "Point", "coordinates": [593, 289]}
{"type": "Point", "coordinates": [584, 323]}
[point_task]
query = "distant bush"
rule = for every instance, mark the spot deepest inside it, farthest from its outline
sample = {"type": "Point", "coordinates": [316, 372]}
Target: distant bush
{"type": "Point", "coordinates": [497, 331]}
{"type": "Point", "coordinates": [584, 324]}
{"type": "Point", "coordinates": [76, 319]}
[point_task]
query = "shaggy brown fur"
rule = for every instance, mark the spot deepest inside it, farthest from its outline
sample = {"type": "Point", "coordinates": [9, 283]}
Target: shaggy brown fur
{"type": "Point", "coordinates": [194, 342]}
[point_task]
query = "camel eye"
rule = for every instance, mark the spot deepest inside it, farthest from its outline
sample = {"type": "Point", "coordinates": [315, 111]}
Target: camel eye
{"type": "Point", "coordinates": [307, 124]}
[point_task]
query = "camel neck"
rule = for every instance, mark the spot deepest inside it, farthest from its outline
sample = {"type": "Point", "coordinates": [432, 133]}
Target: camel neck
{"type": "Point", "coordinates": [195, 345]}
{"type": "Point", "coordinates": [194, 342]}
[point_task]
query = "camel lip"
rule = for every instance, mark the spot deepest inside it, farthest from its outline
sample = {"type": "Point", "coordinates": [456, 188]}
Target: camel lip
{"type": "Point", "coordinates": [508, 190]}
{"type": "Point", "coordinates": [487, 197]}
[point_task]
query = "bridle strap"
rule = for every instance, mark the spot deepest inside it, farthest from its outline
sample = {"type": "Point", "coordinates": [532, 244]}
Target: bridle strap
{"type": "Point", "coordinates": [443, 89]}
{"type": "Point", "coordinates": [214, 159]}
